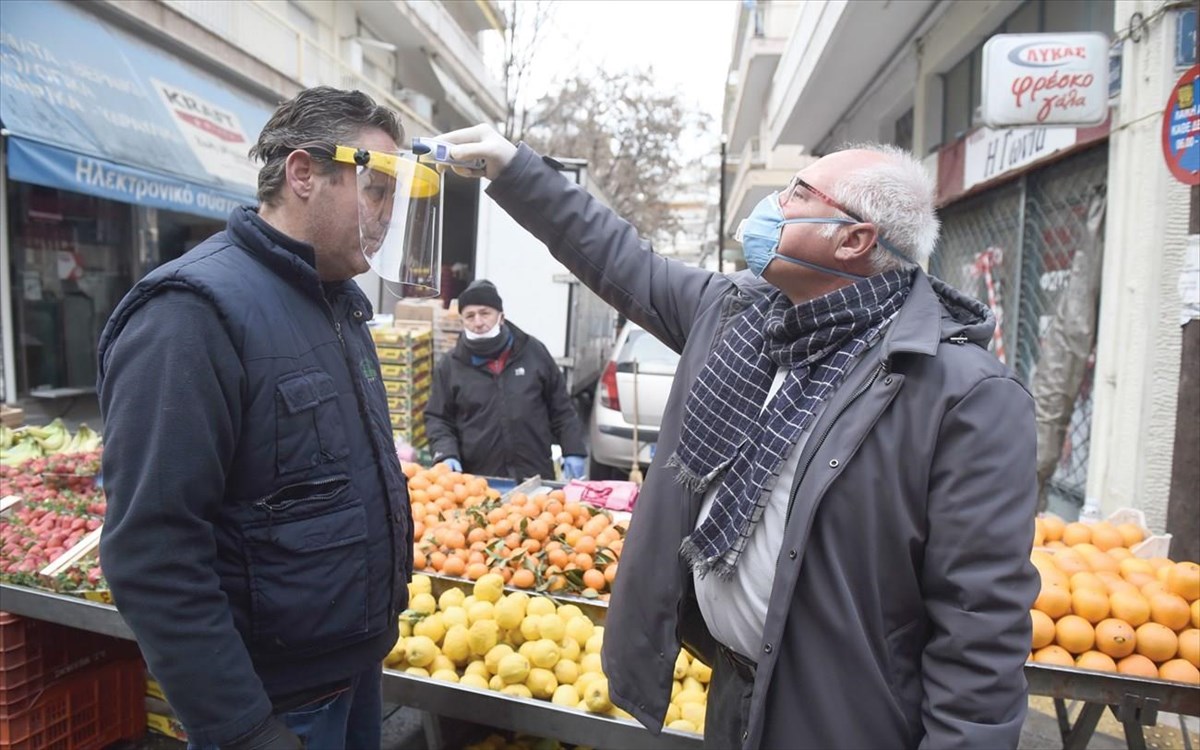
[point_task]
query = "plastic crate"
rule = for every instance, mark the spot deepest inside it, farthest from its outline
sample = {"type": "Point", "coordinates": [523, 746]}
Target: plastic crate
{"type": "Point", "coordinates": [88, 710]}
{"type": "Point", "coordinates": [34, 654]}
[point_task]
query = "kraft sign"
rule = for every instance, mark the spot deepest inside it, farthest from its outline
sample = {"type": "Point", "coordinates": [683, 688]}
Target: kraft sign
{"type": "Point", "coordinates": [1045, 79]}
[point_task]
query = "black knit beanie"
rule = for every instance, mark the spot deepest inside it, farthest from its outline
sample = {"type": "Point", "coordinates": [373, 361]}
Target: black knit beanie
{"type": "Point", "coordinates": [480, 292]}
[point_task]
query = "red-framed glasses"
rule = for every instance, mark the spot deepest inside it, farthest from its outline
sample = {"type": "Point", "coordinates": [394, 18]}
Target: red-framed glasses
{"type": "Point", "coordinates": [796, 182]}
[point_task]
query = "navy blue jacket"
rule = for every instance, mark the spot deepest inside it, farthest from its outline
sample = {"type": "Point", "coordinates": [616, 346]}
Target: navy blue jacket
{"type": "Point", "coordinates": [258, 538]}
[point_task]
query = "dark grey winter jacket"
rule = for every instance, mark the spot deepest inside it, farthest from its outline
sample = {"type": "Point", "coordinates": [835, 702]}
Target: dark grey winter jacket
{"type": "Point", "coordinates": [899, 615]}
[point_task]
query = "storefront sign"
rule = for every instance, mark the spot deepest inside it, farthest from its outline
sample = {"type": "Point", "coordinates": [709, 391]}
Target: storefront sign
{"type": "Point", "coordinates": [1045, 79]}
{"type": "Point", "coordinates": [214, 133]}
{"type": "Point", "coordinates": [1181, 129]}
{"type": "Point", "coordinates": [993, 153]}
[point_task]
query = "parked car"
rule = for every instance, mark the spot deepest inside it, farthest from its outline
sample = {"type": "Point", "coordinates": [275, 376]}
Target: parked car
{"type": "Point", "coordinates": [637, 357]}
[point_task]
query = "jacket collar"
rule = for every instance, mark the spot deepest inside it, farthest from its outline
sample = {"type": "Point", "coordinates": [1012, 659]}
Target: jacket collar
{"type": "Point", "coordinates": [917, 327]}
{"type": "Point", "coordinates": [520, 338]}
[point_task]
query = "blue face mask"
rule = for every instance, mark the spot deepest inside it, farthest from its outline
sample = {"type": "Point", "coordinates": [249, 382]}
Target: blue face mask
{"type": "Point", "coordinates": [760, 233]}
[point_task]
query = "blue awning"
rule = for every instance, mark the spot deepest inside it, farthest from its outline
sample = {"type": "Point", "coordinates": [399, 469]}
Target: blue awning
{"type": "Point", "coordinates": [94, 109]}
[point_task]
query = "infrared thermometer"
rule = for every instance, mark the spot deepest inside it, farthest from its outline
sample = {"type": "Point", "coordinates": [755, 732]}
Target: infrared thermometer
{"type": "Point", "coordinates": [439, 151]}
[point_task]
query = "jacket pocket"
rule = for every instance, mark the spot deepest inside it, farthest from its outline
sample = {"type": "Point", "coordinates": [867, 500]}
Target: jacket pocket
{"type": "Point", "coordinates": [308, 425]}
{"type": "Point", "coordinates": [905, 646]}
{"type": "Point", "coordinates": [306, 552]}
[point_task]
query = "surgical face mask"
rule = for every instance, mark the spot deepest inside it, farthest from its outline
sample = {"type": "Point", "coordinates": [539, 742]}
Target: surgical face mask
{"type": "Point", "coordinates": [760, 233]}
{"type": "Point", "coordinates": [491, 333]}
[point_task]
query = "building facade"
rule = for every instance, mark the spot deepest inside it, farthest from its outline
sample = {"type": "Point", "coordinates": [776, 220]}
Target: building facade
{"type": "Point", "coordinates": [1074, 236]}
{"type": "Point", "coordinates": [126, 125]}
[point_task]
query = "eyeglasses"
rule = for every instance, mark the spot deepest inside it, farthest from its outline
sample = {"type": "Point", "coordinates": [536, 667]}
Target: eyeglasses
{"type": "Point", "coordinates": [796, 182]}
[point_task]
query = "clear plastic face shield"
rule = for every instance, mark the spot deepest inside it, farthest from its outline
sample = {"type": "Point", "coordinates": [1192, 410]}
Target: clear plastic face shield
{"type": "Point", "coordinates": [399, 219]}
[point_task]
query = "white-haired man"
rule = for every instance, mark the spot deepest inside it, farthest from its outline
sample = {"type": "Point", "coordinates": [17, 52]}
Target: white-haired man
{"type": "Point", "coordinates": [840, 512]}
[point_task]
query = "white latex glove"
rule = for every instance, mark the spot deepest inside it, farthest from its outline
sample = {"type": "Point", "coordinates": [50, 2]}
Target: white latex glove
{"type": "Point", "coordinates": [480, 142]}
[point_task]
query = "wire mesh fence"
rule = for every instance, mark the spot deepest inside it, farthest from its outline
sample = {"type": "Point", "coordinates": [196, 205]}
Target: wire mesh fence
{"type": "Point", "coordinates": [1012, 248]}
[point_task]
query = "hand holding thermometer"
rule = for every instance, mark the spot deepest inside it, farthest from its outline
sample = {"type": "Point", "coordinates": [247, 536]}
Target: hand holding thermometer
{"type": "Point", "coordinates": [439, 151]}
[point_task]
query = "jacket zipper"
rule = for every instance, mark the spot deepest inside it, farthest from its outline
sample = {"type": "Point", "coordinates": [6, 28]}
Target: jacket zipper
{"type": "Point", "coordinates": [264, 503]}
{"type": "Point", "coordinates": [825, 433]}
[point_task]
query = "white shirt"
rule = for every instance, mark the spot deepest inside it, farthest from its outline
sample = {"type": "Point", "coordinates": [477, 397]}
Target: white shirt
{"type": "Point", "coordinates": [735, 610]}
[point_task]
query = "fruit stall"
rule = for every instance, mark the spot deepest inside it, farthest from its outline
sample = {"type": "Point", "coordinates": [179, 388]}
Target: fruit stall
{"type": "Point", "coordinates": [508, 602]}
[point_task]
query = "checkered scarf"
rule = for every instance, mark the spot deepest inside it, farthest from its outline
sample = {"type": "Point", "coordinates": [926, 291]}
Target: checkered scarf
{"type": "Point", "coordinates": [726, 429]}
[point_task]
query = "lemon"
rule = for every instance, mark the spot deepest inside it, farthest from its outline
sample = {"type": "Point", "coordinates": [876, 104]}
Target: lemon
{"type": "Point", "coordinates": [584, 679]}
{"type": "Point", "coordinates": [591, 663]}
{"type": "Point", "coordinates": [541, 682]}
{"type": "Point", "coordinates": [483, 636]}
{"type": "Point", "coordinates": [673, 714]}
{"type": "Point", "coordinates": [515, 637]}
{"type": "Point", "coordinates": [692, 684]}
{"type": "Point", "coordinates": [513, 668]}
{"type": "Point", "coordinates": [544, 653]}
{"type": "Point", "coordinates": [700, 671]}
{"type": "Point", "coordinates": [396, 655]}
{"type": "Point", "coordinates": [552, 627]}
{"type": "Point", "coordinates": [439, 663]}
{"type": "Point", "coordinates": [620, 713]}
{"type": "Point", "coordinates": [466, 603]}
{"type": "Point", "coordinates": [566, 672]}
{"type": "Point", "coordinates": [477, 667]}
{"type": "Point", "coordinates": [682, 725]}
{"type": "Point", "coordinates": [420, 584]}
{"type": "Point", "coordinates": [445, 675]}
{"type": "Point", "coordinates": [593, 644]}
{"type": "Point", "coordinates": [565, 695]}
{"type": "Point", "coordinates": [688, 696]}
{"type": "Point", "coordinates": [420, 651]}
{"type": "Point", "coordinates": [480, 611]}
{"type": "Point", "coordinates": [489, 588]}
{"type": "Point", "coordinates": [518, 691]}
{"type": "Point", "coordinates": [531, 627]}
{"type": "Point", "coordinates": [423, 603]}
{"type": "Point", "coordinates": [498, 652]}
{"type": "Point", "coordinates": [455, 616]}
{"type": "Point", "coordinates": [693, 712]}
{"type": "Point", "coordinates": [599, 631]}
{"type": "Point", "coordinates": [509, 613]}
{"type": "Point", "coordinates": [596, 696]}
{"type": "Point", "coordinates": [676, 688]}
{"type": "Point", "coordinates": [474, 680]}
{"type": "Point", "coordinates": [451, 597]}
{"type": "Point", "coordinates": [405, 628]}
{"type": "Point", "coordinates": [580, 628]}
{"type": "Point", "coordinates": [570, 649]}
{"type": "Point", "coordinates": [496, 683]}
{"type": "Point", "coordinates": [417, 671]}
{"type": "Point", "coordinates": [681, 666]}
{"type": "Point", "coordinates": [540, 605]}
{"type": "Point", "coordinates": [569, 612]}
{"type": "Point", "coordinates": [431, 627]}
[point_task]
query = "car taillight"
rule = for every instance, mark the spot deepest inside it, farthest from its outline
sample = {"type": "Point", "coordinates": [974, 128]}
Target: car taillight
{"type": "Point", "coordinates": [608, 388]}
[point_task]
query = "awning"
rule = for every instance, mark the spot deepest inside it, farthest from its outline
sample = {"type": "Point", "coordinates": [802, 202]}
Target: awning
{"type": "Point", "coordinates": [94, 109]}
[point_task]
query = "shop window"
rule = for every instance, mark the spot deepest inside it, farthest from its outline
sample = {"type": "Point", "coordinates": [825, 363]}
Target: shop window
{"type": "Point", "coordinates": [1026, 20]}
{"type": "Point", "coordinates": [72, 261]}
{"type": "Point", "coordinates": [902, 133]}
{"type": "Point", "coordinates": [956, 110]}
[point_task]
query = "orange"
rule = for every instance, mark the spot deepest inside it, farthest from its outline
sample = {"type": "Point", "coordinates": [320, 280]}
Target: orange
{"type": "Point", "coordinates": [1189, 646]}
{"type": "Point", "coordinates": [419, 561]}
{"type": "Point", "coordinates": [1098, 561]}
{"type": "Point", "coordinates": [1070, 561]}
{"type": "Point", "coordinates": [1054, 655]}
{"type": "Point", "coordinates": [1130, 533]}
{"type": "Point", "coordinates": [1076, 533]}
{"type": "Point", "coordinates": [1055, 601]}
{"type": "Point", "coordinates": [1115, 638]}
{"type": "Point", "coordinates": [1075, 634]}
{"type": "Point", "coordinates": [476, 570]}
{"type": "Point", "coordinates": [437, 560]}
{"type": "Point", "coordinates": [454, 566]}
{"type": "Point", "coordinates": [1039, 532]}
{"type": "Point", "coordinates": [1154, 587]}
{"type": "Point", "coordinates": [1054, 527]}
{"type": "Point", "coordinates": [1105, 536]}
{"type": "Point", "coordinates": [1134, 565]}
{"type": "Point", "coordinates": [523, 578]}
{"type": "Point", "coordinates": [1043, 629]}
{"type": "Point", "coordinates": [1096, 661]}
{"type": "Point", "coordinates": [1178, 670]}
{"type": "Point", "coordinates": [538, 530]}
{"type": "Point", "coordinates": [1090, 604]}
{"type": "Point", "coordinates": [1156, 642]}
{"type": "Point", "coordinates": [585, 544]}
{"type": "Point", "coordinates": [1184, 580]}
{"type": "Point", "coordinates": [610, 572]}
{"type": "Point", "coordinates": [1170, 610]}
{"type": "Point", "coordinates": [1119, 553]}
{"type": "Point", "coordinates": [1164, 572]}
{"type": "Point", "coordinates": [593, 579]}
{"type": "Point", "coordinates": [584, 561]}
{"type": "Point", "coordinates": [1087, 580]}
{"type": "Point", "coordinates": [1195, 613]}
{"type": "Point", "coordinates": [1138, 666]}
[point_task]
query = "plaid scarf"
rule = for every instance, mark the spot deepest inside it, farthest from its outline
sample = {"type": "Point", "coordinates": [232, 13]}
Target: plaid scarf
{"type": "Point", "coordinates": [726, 429]}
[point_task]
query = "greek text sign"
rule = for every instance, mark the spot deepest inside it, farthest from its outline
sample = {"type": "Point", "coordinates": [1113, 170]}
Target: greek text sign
{"type": "Point", "coordinates": [1045, 79]}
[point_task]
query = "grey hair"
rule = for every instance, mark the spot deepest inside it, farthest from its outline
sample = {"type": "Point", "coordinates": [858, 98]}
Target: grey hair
{"type": "Point", "coordinates": [898, 195]}
{"type": "Point", "coordinates": [321, 117]}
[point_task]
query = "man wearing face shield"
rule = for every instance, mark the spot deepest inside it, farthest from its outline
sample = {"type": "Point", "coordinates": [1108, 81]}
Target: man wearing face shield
{"type": "Point", "coordinates": [259, 535]}
{"type": "Point", "coordinates": [839, 515]}
{"type": "Point", "coordinates": [499, 399]}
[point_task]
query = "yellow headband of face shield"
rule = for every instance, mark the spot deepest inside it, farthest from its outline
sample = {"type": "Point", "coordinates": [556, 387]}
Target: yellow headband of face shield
{"type": "Point", "coordinates": [413, 179]}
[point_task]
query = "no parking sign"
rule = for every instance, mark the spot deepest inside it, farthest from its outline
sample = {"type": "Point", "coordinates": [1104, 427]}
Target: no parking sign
{"type": "Point", "coordinates": [1181, 128]}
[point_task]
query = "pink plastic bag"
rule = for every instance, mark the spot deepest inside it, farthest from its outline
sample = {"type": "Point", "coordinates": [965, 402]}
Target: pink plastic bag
{"type": "Point", "coordinates": [612, 495]}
